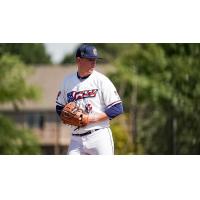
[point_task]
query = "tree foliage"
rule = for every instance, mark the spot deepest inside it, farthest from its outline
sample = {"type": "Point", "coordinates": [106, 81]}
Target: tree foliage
{"type": "Point", "coordinates": [14, 89]}
{"type": "Point", "coordinates": [159, 83]}
{"type": "Point", "coordinates": [68, 59]}
{"type": "Point", "coordinates": [16, 141]}
{"type": "Point", "coordinates": [122, 140]}
{"type": "Point", "coordinates": [13, 86]}
{"type": "Point", "coordinates": [29, 53]}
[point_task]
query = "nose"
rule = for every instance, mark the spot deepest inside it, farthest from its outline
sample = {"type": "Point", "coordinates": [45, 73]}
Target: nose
{"type": "Point", "coordinates": [92, 62]}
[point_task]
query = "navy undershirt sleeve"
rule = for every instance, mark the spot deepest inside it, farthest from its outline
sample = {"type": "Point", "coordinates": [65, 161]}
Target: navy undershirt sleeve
{"type": "Point", "coordinates": [59, 109]}
{"type": "Point", "coordinates": [114, 110]}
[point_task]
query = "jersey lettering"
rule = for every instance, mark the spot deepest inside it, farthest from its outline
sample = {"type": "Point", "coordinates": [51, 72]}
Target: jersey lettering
{"type": "Point", "coordinates": [74, 96]}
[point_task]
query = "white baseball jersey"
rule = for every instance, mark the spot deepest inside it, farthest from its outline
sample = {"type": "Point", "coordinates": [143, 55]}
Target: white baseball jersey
{"type": "Point", "coordinates": [93, 94]}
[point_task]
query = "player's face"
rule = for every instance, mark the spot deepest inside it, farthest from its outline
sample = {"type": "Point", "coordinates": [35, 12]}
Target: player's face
{"type": "Point", "coordinates": [86, 65]}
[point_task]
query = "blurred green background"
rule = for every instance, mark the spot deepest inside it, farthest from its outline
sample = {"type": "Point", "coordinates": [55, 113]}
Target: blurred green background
{"type": "Point", "coordinates": [159, 85]}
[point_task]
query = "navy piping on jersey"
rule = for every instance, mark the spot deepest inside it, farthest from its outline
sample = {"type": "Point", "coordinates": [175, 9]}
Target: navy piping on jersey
{"type": "Point", "coordinates": [84, 77]}
{"type": "Point", "coordinates": [114, 110]}
{"type": "Point", "coordinates": [59, 104]}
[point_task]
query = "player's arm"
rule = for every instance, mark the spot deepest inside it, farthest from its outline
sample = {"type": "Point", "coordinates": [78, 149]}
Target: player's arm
{"type": "Point", "coordinates": [60, 100]}
{"type": "Point", "coordinates": [110, 113]}
{"type": "Point", "coordinates": [59, 108]}
{"type": "Point", "coordinates": [59, 104]}
{"type": "Point", "coordinates": [114, 110]}
{"type": "Point", "coordinates": [97, 118]}
{"type": "Point", "coordinates": [112, 100]}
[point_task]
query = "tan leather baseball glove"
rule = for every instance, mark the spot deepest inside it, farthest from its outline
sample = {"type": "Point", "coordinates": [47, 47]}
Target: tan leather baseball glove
{"type": "Point", "coordinates": [73, 115]}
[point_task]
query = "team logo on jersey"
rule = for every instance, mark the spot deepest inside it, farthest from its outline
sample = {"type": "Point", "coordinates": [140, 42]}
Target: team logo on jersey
{"type": "Point", "coordinates": [88, 108]}
{"type": "Point", "coordinates": [74, 96]}
{"type": "Point", "coordinates": [82, 53]}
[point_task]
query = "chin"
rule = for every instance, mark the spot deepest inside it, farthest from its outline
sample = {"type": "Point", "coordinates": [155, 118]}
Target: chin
{"type": "Point", "coordinates": [91, 70]}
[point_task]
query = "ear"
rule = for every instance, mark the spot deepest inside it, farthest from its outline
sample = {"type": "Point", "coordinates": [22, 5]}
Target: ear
{"type": "Point", "coordinates": [78, 59]}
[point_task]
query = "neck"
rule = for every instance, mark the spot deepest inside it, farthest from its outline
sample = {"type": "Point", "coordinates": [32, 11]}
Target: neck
{"type": "Point", "coordinates": [83, 74]}
{"type": "Point", "coordinates": [82, 77]}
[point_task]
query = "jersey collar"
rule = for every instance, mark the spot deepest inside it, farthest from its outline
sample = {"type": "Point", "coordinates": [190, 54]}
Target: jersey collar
{"type": "Point", "coordinates": [82, 78]}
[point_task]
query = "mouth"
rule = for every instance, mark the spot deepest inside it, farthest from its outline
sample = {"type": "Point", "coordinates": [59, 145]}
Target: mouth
{"type": "Point", "coordinates": [92, 67]}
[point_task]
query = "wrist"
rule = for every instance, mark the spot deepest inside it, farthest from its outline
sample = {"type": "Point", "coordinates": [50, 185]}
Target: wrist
{"type": "Point", "coordinates": [92, 118]}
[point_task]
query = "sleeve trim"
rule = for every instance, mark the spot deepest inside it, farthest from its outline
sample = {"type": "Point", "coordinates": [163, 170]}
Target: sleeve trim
{"type": "Point", "coordinates": [112, 104]}
{"type": "Point", "coordinates": [59, 103]}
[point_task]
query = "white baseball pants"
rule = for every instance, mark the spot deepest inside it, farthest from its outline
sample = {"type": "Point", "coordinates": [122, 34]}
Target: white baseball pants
{"type": "Point", "coordinates": [99, 142]}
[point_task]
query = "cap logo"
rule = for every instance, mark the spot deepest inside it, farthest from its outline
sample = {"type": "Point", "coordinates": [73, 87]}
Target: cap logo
{"type": "Point", "coordinates": [95, 52]}
{"type": "Point", "coordinates": [82, 53]}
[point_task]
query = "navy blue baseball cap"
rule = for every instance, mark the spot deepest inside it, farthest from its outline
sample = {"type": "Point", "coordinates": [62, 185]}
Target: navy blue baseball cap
{"type": "Point", "coordinates": [87, 51]}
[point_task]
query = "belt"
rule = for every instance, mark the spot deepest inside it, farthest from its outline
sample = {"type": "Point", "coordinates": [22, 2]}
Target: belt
{"type": "Point", "coordinates": [86, 133]}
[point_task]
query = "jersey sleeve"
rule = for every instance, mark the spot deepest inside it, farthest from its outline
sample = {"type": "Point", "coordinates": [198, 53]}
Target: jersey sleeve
{"type": "Point", "coordinates": [110, 94]}
{"type": "Point", "coordinates": [61, 96]}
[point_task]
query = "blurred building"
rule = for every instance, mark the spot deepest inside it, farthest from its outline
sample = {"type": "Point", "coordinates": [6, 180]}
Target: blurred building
{"type": "Point", "coordinates": [41, 116]}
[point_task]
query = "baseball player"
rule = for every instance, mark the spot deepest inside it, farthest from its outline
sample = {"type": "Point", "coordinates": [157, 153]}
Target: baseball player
{"type": "Point", "coordinates": [97, 96]}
